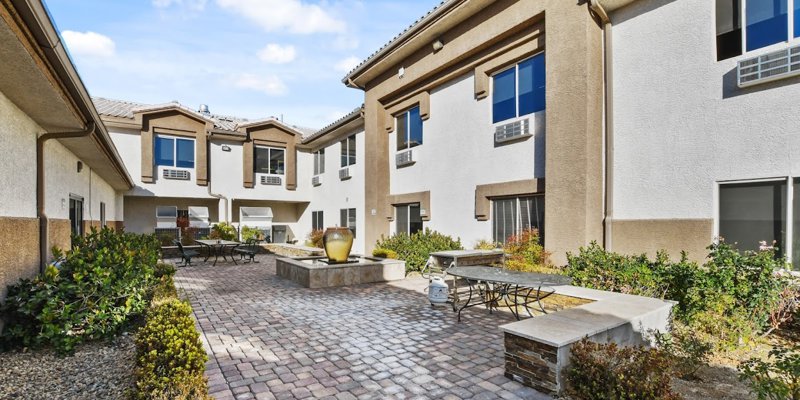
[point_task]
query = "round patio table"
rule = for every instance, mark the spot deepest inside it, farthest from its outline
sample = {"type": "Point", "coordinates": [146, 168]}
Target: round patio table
{"type": "Point", "coordinates": [217, 248]}
{"type": "Point", "coordinates": [489, 285]}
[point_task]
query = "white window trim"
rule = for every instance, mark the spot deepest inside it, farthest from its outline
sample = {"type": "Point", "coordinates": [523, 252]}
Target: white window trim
{"type": "Point", "coordinates": [407, 208]}
{"type": "Point", "coordinates": [345, 144]}
{"type": "Point", "coordinates": [792, 40]}
{"type": "Point", "coordinates": [270, 148]}
{"type": "Point", "coordinates": [319, 161]}
{"type": "Point", "coordinates": [517, 117]}
{"type": "Point", "coordinates": [175, 152]}
{"type": "Point", "coordinates": [407, 113]}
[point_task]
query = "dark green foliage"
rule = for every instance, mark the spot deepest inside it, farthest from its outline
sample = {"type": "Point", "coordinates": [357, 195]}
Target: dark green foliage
{"type": "Point", "coordinates": [99, 285]}
{"type": "Point", "coordinates": [416, 249]}
{"type": "Point", "coordinates": [170, 359]}
{"type": "Point", "coordinates": [687, 351]}
{"type": "Point", "coordinates": [777, 378]}
{"type": "Point", "coordinates": [609, 372]}
{"type": "Point", "coordinates": [728, 299]}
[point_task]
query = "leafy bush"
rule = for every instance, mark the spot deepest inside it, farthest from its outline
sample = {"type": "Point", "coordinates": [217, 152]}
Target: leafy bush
{"type": "Point", "coordinates": [101, 282]}
{"type": "Point", "coordinates": [170, 359]}
{"type": "Point", "coordinates": [687, 351]}
{"type": "Point", "coordinates": [164, 286]}
{"type": "Point", "coordinates": [526, 253]}
{"type": "Point", "coordinates": [606, 371]}
{"type": "Point", "coordinates": [777, 378]}
{"type": "Point", "coordinates": [596, 268]}
{"type": "Point", "coordinates": [384, 253]}
{"type": "Point", "coordinates": [415, 249]}
{"type": "Point", "coordinates": [251, 233]}
{"type": "Point", "coordinates": [222, 231]}
{"type": "Point", "coordinates": [315, 238]}
{"type": "Point", "coordinates": [485, 244]}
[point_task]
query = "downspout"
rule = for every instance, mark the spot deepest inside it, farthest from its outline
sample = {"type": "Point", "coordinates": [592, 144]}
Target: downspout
{"type": "Point", "coordinates": [40, 186]}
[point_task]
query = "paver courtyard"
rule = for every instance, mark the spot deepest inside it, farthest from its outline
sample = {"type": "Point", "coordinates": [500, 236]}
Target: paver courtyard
{"type": "Point", "coordinates": [270, 338]}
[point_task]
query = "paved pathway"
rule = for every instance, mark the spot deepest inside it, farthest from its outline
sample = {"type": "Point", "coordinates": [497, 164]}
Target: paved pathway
{"type": "Point", "coordinates": [270, 338]}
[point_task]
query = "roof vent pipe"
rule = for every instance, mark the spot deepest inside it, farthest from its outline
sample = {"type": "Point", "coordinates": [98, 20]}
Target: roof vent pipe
{"type": "Point", "coordinates": [203, 109]}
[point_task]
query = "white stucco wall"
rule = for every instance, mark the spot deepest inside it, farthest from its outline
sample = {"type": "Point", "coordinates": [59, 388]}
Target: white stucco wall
{"type": "Point", "coordinates": [18, 175]}
{"type": "Point", "coordinates": [335, 194]}
{"type": "Point", "coordinates": [458, 153]}
{"type": "Point", "coordinates": [680, 123]}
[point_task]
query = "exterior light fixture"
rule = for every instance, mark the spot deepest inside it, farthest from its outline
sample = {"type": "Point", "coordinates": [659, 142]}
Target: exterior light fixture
{"type": "Point", "coordinates": [438, 45]}
{"type": "Point", "coordinates": [225, 147]}
{"type": "Point", "coordinates": [80, 166]}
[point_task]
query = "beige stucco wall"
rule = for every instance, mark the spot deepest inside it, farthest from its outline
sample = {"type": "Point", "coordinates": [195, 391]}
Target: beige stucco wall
{"type": "Point", "coordinates": [140, 212]}
{"type": "Point", "coordinates": [18, 171]}
{"type": "Point", "coordinates": [672, 235]}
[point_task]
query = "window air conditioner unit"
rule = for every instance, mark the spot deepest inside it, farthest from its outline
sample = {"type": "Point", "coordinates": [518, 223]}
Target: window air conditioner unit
{"type": "Point", "coordinates": [316, 181]}
{"type": "Point", "coordinates": [178, 174]}
{"type": "Point", "coordinates": [512, 131]}
{"type": "Point", "coordinates": [404, 158]}
{"type": "Point", "coordinates": [271, 180]}
{"type": "Point", "coordinates": [344, 173]}
{"type": "Point", "coordinates": [769, 67]}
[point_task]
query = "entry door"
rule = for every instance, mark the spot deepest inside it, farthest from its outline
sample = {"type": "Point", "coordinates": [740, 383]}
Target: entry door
{"type": "Point", "coordinates": [76, 215]}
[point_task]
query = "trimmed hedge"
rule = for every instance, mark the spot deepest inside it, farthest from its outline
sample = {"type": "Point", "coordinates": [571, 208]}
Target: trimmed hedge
{"type": "Point", "coordinates": [416, 249]}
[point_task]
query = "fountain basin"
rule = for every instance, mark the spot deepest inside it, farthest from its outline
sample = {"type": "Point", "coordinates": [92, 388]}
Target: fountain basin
{"type": "Point", "coordinates": [317, 272]}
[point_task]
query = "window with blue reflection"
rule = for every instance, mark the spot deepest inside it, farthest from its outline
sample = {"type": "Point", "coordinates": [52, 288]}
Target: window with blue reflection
{"type": "Point", "coordinates": [767, 23]}
{"type": "Point", "coordinates": [796, 18]}
{"type": "Point", "coordinates": [504, 93]}
{"type": "Point", "coordinates": [409, 129]}
{"type": "Point", "coordinates": [531, 85]}
{"type": "Point", "coordinates": [184, 153]}
{"type": "Point", "coordinates": [165, 151]}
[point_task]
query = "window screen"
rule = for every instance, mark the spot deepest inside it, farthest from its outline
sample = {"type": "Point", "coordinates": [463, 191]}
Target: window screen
{"type": "Point", "coordinates": [184, 153]}
{"type": "Point", "coordinates": [165, 151]}
{"type": "Point", "coordinates": [317, 222]}
{"type": "Point", "coordinates": [347, 217]}
{"type": "Point", "coordinates": [767, 23]}
{"type": "Point", "coordinates": [504, 95]}
{"type": "Point", "coordinates": [504, 219]}
{"type": "Point", "coordinates": [753, 212]}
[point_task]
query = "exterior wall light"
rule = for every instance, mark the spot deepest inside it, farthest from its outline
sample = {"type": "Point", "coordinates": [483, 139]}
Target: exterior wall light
{"type": "Point", "coordinates": [225, 147]}
{"type": "Point", "coordinates": [438, 45]}
{"type": "Point", "coordinates": [80, 166]}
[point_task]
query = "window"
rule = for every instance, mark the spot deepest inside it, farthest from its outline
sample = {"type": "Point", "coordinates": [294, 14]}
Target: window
{"type": "Point", "coordinates": [347, 217]}
{"type": "Point", "coordinates": [512, 215]}
{"type": "Point", "coordinates": [319, 162]}
{"type": "Point", "coordinates": [765, 22]}
{"type": "Point", "coordinates": [317, 222]}
{"type": "Point", "coordinates": [519, 90]}
{"type": "Point", "coordinates": [409, 129]}
{"type": "Point", "coordinates": [753, 212]}
{"type": "Point", "coordinates": [349, 151]}
{"type": "Point", "coordinates": [102, 214]}
{"type": "Point", "coordinates": [409, 219]}
{"type": "Point", "coordinates": [174, 152]}
{"type": "Point", "coordinates": [166, 212]}
{"type": "Point", "coordinates": [269, 160]}
{"type": "Point", "coordinates": [76, 215]}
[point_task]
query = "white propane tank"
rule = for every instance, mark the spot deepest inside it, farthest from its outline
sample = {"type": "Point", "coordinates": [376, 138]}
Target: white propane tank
{"type": "Point", "coordinates": [437, 291]}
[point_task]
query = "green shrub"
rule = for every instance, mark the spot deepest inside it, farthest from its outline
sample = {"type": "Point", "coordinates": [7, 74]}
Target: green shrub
{"type": "Point", "coordinates": [777, 378]}
{"type": "Point", "coordinates": [687, 351]}
{"type": "Point", "coordinates": [415, 249]}
{"type": "Point", "coordinates": [222, 231]}
{"type": "Point", "coordinates": [251, 233]}
{"type": "Point", "coordinates": [315, 238]}
{"type": "Point", "coordinates": [384, 253]}
{"type": "Point", "coordinates": [101, 282]}
{"type": "Point", "coordinates": [609, 372]}
{"type": "Point", "coordinates": [485, 244]}
{"type": "Point", "coordinates": [163, 269]}
{"type": "Point", "coordinates": [526, 253]}
{"type": "Point", "coordinates": [170, 359]}
{"type": "Point", "coordinates": [596, 268]}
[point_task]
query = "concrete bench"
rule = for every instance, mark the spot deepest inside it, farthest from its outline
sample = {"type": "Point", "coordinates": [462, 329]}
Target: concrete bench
{"type": "Point", "coordinates": [537, 350]}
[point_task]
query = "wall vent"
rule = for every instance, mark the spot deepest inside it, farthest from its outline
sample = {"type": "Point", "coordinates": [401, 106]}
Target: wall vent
{"type": "Point", "coordinates": [178, 174]}
{"type": "Point", "coordinates": [769, 67]}
{"type": "Point", "coordinates": [512, 131]}
{"type": "Point", "coordinates": [344, 173]}
{"type": "Point", "coordinates": [316, 181]}
{"type": "Point", "coordinates": [271, 180]}
{"type": "Point", "coordinates": [404, 158]}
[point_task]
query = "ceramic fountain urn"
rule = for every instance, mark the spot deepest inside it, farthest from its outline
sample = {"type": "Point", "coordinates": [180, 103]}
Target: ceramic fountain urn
{"type": "Point", "coordinates": [338, 242]}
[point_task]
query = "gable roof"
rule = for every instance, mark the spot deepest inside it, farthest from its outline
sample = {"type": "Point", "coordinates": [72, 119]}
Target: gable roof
{"type": "Point", "coordinates": [127, 109]}
{"type": "Point", "coordinates": [351, 116]}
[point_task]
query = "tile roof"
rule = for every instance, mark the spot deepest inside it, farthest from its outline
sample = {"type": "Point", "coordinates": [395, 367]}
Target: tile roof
{"type": "Point", "coordinates": [126, 109]}
{"type": "Point", "coordinates": [335, 124]}
{"type": "Point", "coordinates": [395, 39]}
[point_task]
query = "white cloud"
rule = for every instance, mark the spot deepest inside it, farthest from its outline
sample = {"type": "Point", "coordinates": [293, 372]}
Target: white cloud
{"type": "Point", "coordinates": [196, 5]}
{"type": "Point", "coordinates": [293, 16]}
{"type": "Point", "coordinates": [276, 54]}
{"type": "Point", "coordinates": [89, 44]}
{"type": "Point", "coordinates": [347, 65]}
{"type": "Point", "coordinates": [269, 84]}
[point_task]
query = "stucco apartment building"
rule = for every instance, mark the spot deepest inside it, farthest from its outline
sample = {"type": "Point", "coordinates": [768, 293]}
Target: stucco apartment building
{"type": "Point", "coordinates": [61, 173]}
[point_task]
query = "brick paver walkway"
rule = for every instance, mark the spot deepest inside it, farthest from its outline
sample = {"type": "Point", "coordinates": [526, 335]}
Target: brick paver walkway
{"type": "Point", "coordinates": [270, 338]}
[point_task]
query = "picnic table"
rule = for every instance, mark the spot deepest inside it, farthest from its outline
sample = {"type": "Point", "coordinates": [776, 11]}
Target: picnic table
{"type": "Point", "coordinates": [217, 248]}
{"type": "Point", "coordinates": [490, 285]}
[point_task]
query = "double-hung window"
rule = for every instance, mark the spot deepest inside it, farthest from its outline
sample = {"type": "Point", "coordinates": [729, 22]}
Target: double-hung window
{"type": "Point", "coordinates": [747, 25]}
{"type": "Point", "coordinates": [510, 216]}
{"type": "Point", "coordinates": [174, 152]}
{"type": "Point", "coordinates": [519, 90]}
{"type": "Point", "coordinates": [319, 162]}
{"type": "Point", "coordinates": [269, 160]}
{"type": "Point", "coordinates": [349, 151]}
{"type": "Point", "coordinates": [347, 217]}
{"type": "Point", "coordinates": [409, 129]}
{"type": "Point", "coordinates": [409, 219]}
{"type": "Point", "coordinates": [317, 221]}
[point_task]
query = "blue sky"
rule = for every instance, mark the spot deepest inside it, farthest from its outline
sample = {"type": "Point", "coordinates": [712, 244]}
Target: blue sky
{"type": "Point", "coordinates": [249, 58]}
